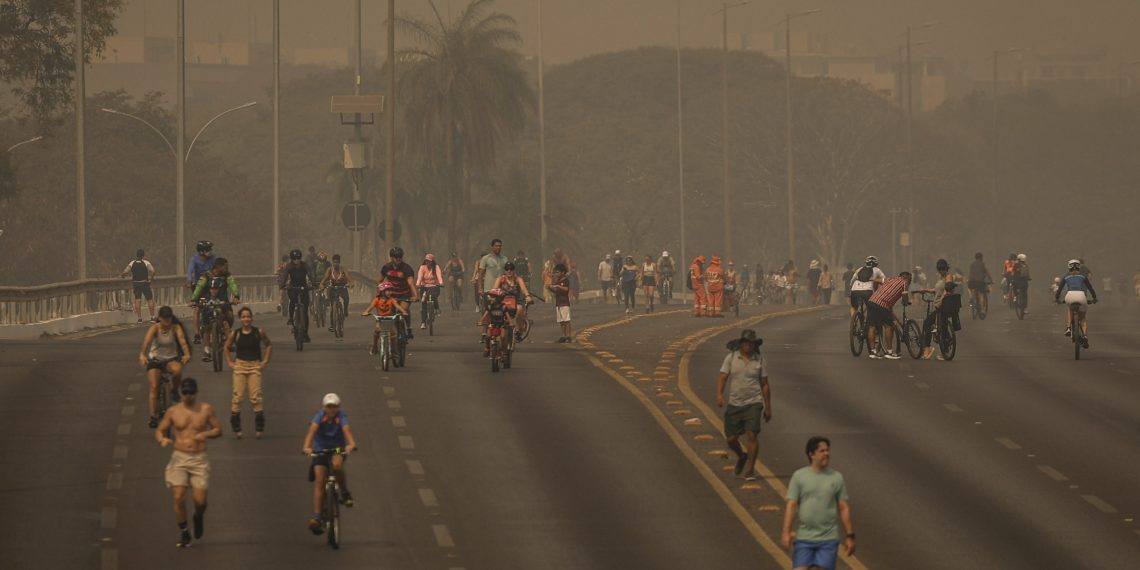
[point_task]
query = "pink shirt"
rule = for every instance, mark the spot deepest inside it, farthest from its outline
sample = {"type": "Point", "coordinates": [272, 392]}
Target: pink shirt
{"type": "Point", "coordinates": [429, 278]}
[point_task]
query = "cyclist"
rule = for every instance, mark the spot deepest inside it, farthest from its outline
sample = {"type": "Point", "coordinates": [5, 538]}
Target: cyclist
{"type": "Point", "coordinates": [335, 275]}
{"type": "Point", "coordinates": [431, 279]}
{"type": "Point", "coordinates": [517, 294]}
{"type": "Point", "coordinates": [522, 266]}
{"type": "Point", "coordinates": [649, 281]}
{"type": "Point", "coordinates": [403, 279]}
{"type": "Point", "coordinates": [328, 430]}
{"type": "Point", "coordinates": [1079, 290]}
{"type": "Point", "coordinates": [946, 303]}
{"type": "Point", "coordinates": [164, 349]}
{"type": "Point", "coordinates": [199, 265]}
{"type": "Point", "coordinates": [494, 315]}
{"type": "Point", "coordinates": [318, 267]}
{"type": "Point", "coordinates": [296, 281]}
{"type": "Point", "coordinates": [880, 314]}
{"type": "Point", "coordinates": [865, 281]}
{"type": "Point", "coordinates": [383, 306]}
{"type": "Point", "coordinates": [667, 269]}
{"type": "Point", "coordinates": [979, 281]}
{"type": "Point", "coordinates": [455, 271]}
{"type": "Point", "coordinates": [1019, 280]}
{"type": "Point", "coordinates": [1006, 273]}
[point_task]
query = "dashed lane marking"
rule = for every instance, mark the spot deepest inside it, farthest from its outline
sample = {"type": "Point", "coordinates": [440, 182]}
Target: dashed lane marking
{"type": "Point", "coordinates": [399, 421]}
{"type": "Point", "coordinates": [123, 430]}
{"type": "Point", "coordinates": [127, 411]}
{"type": "Point", "coordinates": [388, 390]}
{"type": "Point", "coordinates": [1007, 443]}
{"type": "Point", "coordinates": [1100, 504]}
{"type": "Point", "coordinates": [119, 452]}
{"type": "Point", "coordinates": [394, 404]}
{"type": "Point", "coordinates": [109, 518]}
{"type": "Point", "coordinates": [1052, 473]}
{"type": "Point", "coordinates": [953, 408]}
{"type": "Point", "coordinates": [414, 466]}
{"type": "Point", "coordinates": [134, 387]}
{"type": "Point", "coordinates": [109, 559]}
{"type": "Point", "coordinates": [406, 442]}
{"type": "Point", "coordinates": [115, 481]}
{"type": "Point", "coordinates": [922, 385]}
{"type": "Point", "coordinates": [428, 498]}
{"type": "Point", "coordinates": [442, 536]}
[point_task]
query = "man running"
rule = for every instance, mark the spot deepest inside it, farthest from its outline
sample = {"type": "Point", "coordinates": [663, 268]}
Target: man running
{"type": "Point", "coordinates": [193, 422]}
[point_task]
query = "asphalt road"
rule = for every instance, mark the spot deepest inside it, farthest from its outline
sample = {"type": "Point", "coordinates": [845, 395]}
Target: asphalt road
{"type": "Point", "coordinates": [1010, 456]}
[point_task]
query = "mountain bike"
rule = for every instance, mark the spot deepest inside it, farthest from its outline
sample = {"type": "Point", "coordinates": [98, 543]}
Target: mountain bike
{"type": "Point", "coordinates": [330, 506]}
{"type": "Point", "coordinates": [212, 323]}
{"type": "Point", "coordinates": [1017, 300]}
{"type": "Point", "coordinates": [317, 308]}
{"type": "Point", "coordinates": [430, 309]}
{"type": "Point", "coordinates": [857, 332]}
{"type": "Point", "coordinates": [980, 302]}
{"type": "Point", "coordinates": [665, 290]}
{"type": "Point", "coordinates": [339, 310]}
{"type": "Point", "coordinates": [942, 331]}
{"type": "Point", "coordinates": [384, 344]}
{"type": "Point", "coordinates": [299, 317]}
{"type": "Point", "coordinates": [529, 323]}
{"type": "Point", "coordinates": [909, 333]}
{"type": "Point", "coordinates": [1077, 317]}
{"type": "Point", "coordinates": [165, 395]}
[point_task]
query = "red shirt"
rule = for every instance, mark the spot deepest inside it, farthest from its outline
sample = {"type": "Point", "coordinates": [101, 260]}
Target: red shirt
{"type": "Point", "coordinates": [889, 293]}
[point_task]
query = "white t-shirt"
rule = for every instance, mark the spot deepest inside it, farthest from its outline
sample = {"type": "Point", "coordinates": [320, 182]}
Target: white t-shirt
{"type": "Point", "coordinates": [606, 271]}
{"type": "Point", "coordinates": [876, 274]}
{"type": "Point", "coordinates": [744, 387]}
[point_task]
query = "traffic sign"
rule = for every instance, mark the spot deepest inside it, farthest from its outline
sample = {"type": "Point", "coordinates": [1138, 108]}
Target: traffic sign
{"type": "Point", "coordinates": [356, 215]}
{"type": "Point", "coordinates": [396, 230]}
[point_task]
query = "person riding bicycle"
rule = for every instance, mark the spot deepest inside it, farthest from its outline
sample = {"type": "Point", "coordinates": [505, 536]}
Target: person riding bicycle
{"type": "Point", "coordinates": [164, 349]}
{"type": "Point", "coordinates": [335, 276]}
{"type": "Point", "coordinates": [221, 270]}
{"type": "Point", "coordinates": [979, 279]}
{"type": "Point", "coordinates": [297, 278]}
{"type": "Point", "coordinates": [216, 293]}
{"type": "Point", "coordinates": [495, 314]}
{"type": "Point", "coordinates": [522, 266]}
{"type": "Point", "coordinates": [1078, 290]}
{"type": "Point", "coordinates": [455, 271]}
{"type": "Point", "coordinates": [946, 303]}
{"type": "Point", "coordinates": [383, 305]}
{"type": "Point", "coordinates": [864, 282]}
{"type": "Point", "coordinates": [402, 277]}
{"type": "Point", "coordinates": [328, 430]}
{"type": "Point", "coordinates": [199, 265]}
{"type": "Point", "coordinates": [1019, 281]}
{"type": "Point", "coordinates": [517, 295]}
{"type": "Point", "coordinates": [430, 278]}
{"type": "Point", "coordinates": [1006, 273]}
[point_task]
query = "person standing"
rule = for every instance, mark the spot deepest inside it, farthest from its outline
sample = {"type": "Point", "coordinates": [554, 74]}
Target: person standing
{"type": "Point", "coordinates": [606, 277]}
{"type": "Point", "coordinates": [697, 286]}
{"type": "Point", "coordinates": [791, 275]}
{"type": "Point", "coordinates": [847, 275]}
{"type": "Point", "coordinates": [714, 281]}
{"type": "Point", "coordinates": [813, 274]}
{"type": "Point", "coordinates": [630, 275]}
{"type": "Point", "coordinates": [817, 497]}
{"type": "Point", "coordinates": [193, 422]}
{"type": "Point", "coordinates": [141, 273]}
{"type": "Point", "coordinates": [825, 285]}
{"type": "Point", "coordinates": [247, 360]}
{"type": "Point", "coordinates": [575, 282]}
{"type": "Point", "coordinates": [617, 263]}
{"type": "Point", "coordinates": [649, 281]}
{"type": "Point", "coordinates": [560, 287]}
{"type": "Point", "coordinates": [749, 400]}
{"type": "Point", "coordinates": [490, 267]}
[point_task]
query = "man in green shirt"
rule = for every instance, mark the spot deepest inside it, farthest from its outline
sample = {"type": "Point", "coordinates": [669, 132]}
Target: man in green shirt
{"type": "Point", "coordinates": [818, 495]}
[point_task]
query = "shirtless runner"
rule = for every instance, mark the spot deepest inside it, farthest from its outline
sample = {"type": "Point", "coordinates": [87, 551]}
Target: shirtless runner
{"type": "Point", "coordinates": [193, 422]}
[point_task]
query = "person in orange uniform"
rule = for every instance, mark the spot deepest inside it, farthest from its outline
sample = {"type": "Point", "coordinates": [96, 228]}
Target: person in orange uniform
{"type": "Point", "coordinates": [714, 280]}
{"type": "Point", "coordinates": [384, 305]}
{"type": "Point", "coordinates": [700, 295]}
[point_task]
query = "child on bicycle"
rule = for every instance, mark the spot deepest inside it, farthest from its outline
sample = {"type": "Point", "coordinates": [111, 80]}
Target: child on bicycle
{"type": "Point", "coordinates": [328, 430]}
{"type": "Point", "coordinates": [384, 305]}
{"type": "Point", "coordinates": [495, 313]}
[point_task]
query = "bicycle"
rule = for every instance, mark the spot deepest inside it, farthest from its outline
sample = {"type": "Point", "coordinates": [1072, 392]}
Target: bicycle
{"type": "Point", "coordinates": [339, 310]}
{"type": "Point", "coordinates": [857, 332]}
{"type": "Point", "coordinates": [330, 506]}
{"type": "Point", "coordinates": [942, 331]}
{"type": "Point", "coordinates": [454, 294]}
{"type": "Point", "coordinates": [529, 323]}
{"type": "Point", "coordinates": [299, 317]}
{"type": "Point", "coordinates": [1017, 301]}
{"type": "Point", "coordinates": [980, 302]}
{"type": "Point", "coordinates": [501, 340]}
{"type": "Point", "coordinates": [665, 291]}
{"type": "Point", "coordinates": [909, 333]}
{"type": "Point", "coordinates": [213, 330]}
{"type": "Point", "coordinates": [731, 300]}
{"type": "Point", "coordinates": [163, 398]}
{"type": "Point", "coordinates": [384, 343]}
{"type": "Point", "coordinates": [1077, 319]}
{"type": "Point", "coordinates": [430, 309]}
{"type": "Point", "coordinates": [317, 307]}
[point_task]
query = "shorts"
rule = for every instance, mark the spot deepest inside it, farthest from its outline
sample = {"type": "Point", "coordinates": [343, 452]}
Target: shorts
{"type": "Point", "coordinates": [562, 314]}
{"type": "Point", "coordinates": [152, 364]}
{"type": "Point", "coordinates": [859, 298]}
{"type": "Point", "coordinates": [606, 284]}
{"type": "Point", "coordinates": [978, 286]}
{"type": "Point", "coordinates": [741, 419]}
{"type": "Point", "coordinates": [321, 461]}
{"type": "Point", "coordinates": [1079, 298]}
{"type": "Point", "coordinates": [142, 290]}
{"type": "Point", "coordinates": [188, 470]}
{"type": "Point", "coordinates": [648, 281]}
{"type": "Point", "coordinates": [815, 553]}
{"type": "Point", "coordinates": [879, 316]}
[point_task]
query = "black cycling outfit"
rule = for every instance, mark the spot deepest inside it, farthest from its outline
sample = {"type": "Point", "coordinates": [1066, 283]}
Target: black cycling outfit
{"type": "Point", "coordinates": [296, 278]}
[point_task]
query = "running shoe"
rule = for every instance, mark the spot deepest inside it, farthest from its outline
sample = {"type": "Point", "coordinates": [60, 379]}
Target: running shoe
{"type": "Point", "coordinates": [741, 463]}
{"type": "Point", "coordinates": [316, 526]}
{"type": "Point", "coordinates": [1068, 331]}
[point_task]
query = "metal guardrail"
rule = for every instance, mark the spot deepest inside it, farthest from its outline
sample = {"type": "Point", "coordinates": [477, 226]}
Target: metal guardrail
{"type": "Point", "coordinates": [42, 303]}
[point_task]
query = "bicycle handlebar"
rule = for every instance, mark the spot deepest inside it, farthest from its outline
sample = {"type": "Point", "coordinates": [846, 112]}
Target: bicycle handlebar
{"type": "Point", "coordinates": [333, 451]}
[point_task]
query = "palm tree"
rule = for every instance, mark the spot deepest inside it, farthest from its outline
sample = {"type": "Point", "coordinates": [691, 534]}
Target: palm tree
{"type": "Point", "coordinates": [465, 94]}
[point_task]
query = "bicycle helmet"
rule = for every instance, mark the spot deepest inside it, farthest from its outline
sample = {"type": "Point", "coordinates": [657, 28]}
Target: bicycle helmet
{"type": "Point", "coordinates": [296, 254]}
{"type": "Point", "coordinates": [664, 254]}
{"type": "Point", "coordinates": [429, 257]}
{"type": "Point", "coordinates": [1022, 258]}
{"type": "Point", "coordinates": [331, 399]}
{"type": "Point", "coordinates": [384, 287]}
{"type": "Point", "coordinates": [942, 265]}
{"type": "Point", "coordinates": [1074, 265]}
{"type": "Point", "coordinates": [396, 252]}
{"type": "Point", "coordinates": [509, 266]}
{"type": "Point", "coordinates": [217, 283]}
{"type": "Point", "coordinates": [205, 246]}
{"type": "Point", "coordinates": [872, 261]}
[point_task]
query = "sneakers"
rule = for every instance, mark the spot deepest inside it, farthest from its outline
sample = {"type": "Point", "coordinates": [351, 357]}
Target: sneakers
{"type": "Point", "coordinates": [316, 526]}
{"type": "Point", "coordinates": [1085, 342]}
{"type": "Point", "coordinates": [139, 322]}
{"type": "Point", "coordinates": [751, 476]}
{"type": "Point", "coordinates": [423, 326]}
{"type": "Point", "coordinates": [346, 498]}
{"type": "Point", "coordinates": [184, 541]}
{"type": "Point", "coordinates": [332, 329]}
{"type": "Point", "coordinates": [741, 463]}
{"type": "Point", "coordinates": [198, 338]}
{"type": "Point", "coordinates": [199, 524]}
{"type": "Point", "coordinates": [1068, 331]}
{"type": "Point", "coordinates": [874, 355]}
{"type": "Point", "coordinates": [891, 355]}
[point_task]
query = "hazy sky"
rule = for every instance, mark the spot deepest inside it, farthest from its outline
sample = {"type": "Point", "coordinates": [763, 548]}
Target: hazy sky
{"type": "Point", "coordinates": [966, 29]}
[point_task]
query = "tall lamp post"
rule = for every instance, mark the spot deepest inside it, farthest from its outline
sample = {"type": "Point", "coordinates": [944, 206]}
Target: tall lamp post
{"type": "Point", "coordinates": [911, 212]}
{"type": "Point", "coordinates": [724, 130]}
{"type": "Point", "coordinates": [24, 142]}
{"type": "Point", "coordinates": [994, 150]}
{"type": "Point", "coordinates": [788, 131]}
{"type": "Point", "coordinates": [541, 141]}
{"type": "Point", "coordinates": [680, 140]}
{"type": "Point", "coordinates": [1120, 76]}
{"type": "Point", "coordinates": [80, 146]}
{"type": "Point", "coordinates": [180, 162]}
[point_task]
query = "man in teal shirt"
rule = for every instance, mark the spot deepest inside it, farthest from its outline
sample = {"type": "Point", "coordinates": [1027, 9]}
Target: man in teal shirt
{"type": "Point", "coordinates": [818, 494]}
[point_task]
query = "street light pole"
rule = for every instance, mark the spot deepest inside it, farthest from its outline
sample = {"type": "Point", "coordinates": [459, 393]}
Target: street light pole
{"type": "Point", "coordinates": [541, 140]}
{"type": "Point", "coordinates": [788, 130]}
{"type": "Point", "coordinates": [80, 148]}
{"type": "Point", "coordinates": [911, 211]}
{"type": "Point", "coordinates": [390, 124]}
{"type": "Point", "coordinates": [180, 163]}
{"type": "Point", "coordinates": [680, 139]}
{"type": "Point", "coordinates": [727, 216]}
{"type": "Point", "coordinates": [277, 132]}
{"type": "Point", "coordinates": [994, 151]}
{"type": "Point", "coordinates": [357, 174]}
{"type": "Point", "coordinates": [24, 142]}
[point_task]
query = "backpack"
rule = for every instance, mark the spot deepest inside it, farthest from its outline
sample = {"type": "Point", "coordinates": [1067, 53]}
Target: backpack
{"type": "Point", "coordinates": [865, 273]}
{"type": "Point", "coordinates": [139, 272]}
{"type": "Point", "coordinates": [689, 280]}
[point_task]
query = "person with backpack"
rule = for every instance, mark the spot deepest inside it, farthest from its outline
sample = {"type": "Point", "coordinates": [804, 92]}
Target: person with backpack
{"type": "Point", "coordinates": [865, 281]}
{"type": "Point", "coordinates": [141, 273]}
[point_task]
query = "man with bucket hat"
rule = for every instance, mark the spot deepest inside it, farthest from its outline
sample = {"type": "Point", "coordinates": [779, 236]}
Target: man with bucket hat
{"type": "Point", "coordinates": [745, 375]}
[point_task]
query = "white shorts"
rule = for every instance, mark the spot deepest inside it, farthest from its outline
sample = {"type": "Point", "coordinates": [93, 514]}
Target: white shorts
{"type": "Point", "coordinates": [562, 314]}
{"type": "Point", "coordinates": [1079, 298]}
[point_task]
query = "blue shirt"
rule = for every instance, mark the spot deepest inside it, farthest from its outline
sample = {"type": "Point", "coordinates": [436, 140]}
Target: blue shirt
{"type": "Point", "coordinates": [198, 267]}
{"type": "Point", "coordinates": [1076, 282]}
{"type": "Point", "coordinates": [330, 431]}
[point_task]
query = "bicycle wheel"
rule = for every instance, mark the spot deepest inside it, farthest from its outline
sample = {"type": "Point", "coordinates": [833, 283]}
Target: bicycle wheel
{"type": "Point", "coordinates": [494, 355]}
{"type": "Point", "coordinates": [338, 318]}
{"type": "Point", "coordinates": [320, 312]}
{"type": "Point", "coordinates": [332, 511]}
{"type": "Point", "coordinates": [508, 350]}
{"type": "Point", "coordinates": [216, 344]}
{"type": "Point", "coordinates": [911, 338]}
{"type": "Point", "coordinates": [401, 351]}
{"type": "Point", "coordinates": [431, 324]}
{"type": "Point", "coordinates": [1019, 307]}
{"type": "Point", "coordinates": [298, 334]}
{"type": "Point", "coordinates": [947, 341]}
{"type": "Point", "coordinates": [984, 307]}
{"type": "Point", "coordinates": [857, 334]}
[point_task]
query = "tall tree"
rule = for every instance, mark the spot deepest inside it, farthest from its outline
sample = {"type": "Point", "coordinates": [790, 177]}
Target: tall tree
{"type": "Point", "coordinates": [464, 95]}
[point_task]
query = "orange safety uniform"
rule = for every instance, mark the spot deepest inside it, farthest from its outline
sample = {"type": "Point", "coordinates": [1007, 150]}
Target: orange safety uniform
{"type": "Point", "coordinates": [697, 274]}
{"type": "Point", "coordinates": [714, 278]}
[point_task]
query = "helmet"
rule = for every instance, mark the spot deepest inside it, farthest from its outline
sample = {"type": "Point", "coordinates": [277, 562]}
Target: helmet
{"type": "Point", "coordinates": [336, 257]}
{"type": "Point", "coordinates": [429, 257]}
{"type": "Point", "coordinates": [509, 266]}
{"type": "Point", "coordinates": [1074, 265]}
{"type": "Point", "coordinates": [699, 259]}
{"type": "Point", "coordinates": [396, 252]}
{"type": "Point", "coordinates": [330, 399]}
{"type": "Point", "coordinates": [386, 285]}
{"type": "Point", "coordinates": [872, 261]}
{"type": "Point", "coordinates": [1012, 256]}
{"type": "Point", "coordinates": [322, 256]}
{"type": "Point", "coordinates": [1022, 257]}
{"type": "Point", "coordinates": [205, 246]}
{"type": "Point", "coordinates": [295, 254]}
{"type": "Point", "coordinates": [217, 283]}
{"type": "Point", "coordinates": [664, 254]}
{"type": "Point", "coordinates": [942, 265]}
{"type": "Point", "coordinates": [617, 252]}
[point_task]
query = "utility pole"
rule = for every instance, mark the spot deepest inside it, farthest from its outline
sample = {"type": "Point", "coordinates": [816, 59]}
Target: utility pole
{"type": "Point", "coordinates": [680, 142]}
{"type": "Point", "coordinates": [180, 164]}
{"type": "Point", "coordinates": [724, 140]}
{"type": "Point", "coordinates": [788, 132]}
{"type": "Point", "coordinates": [541, 140]}
{"type": "Point", "coordinates": [357, 174]}
{"type": "Point", "coordinates": [894, 239]}
{"type": "Point", "coordinates": [80, 148]}
{"type": "Point", "coordinates": [909, 154]}
{"type": "Point", "coordinates": [277, 132]}
{"type": "Point", "coordinates": [390, 123]}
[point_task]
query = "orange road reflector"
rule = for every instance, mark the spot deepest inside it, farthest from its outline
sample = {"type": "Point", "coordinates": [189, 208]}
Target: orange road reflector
{"type": "Point", "coordinates": [769, 508]}
{"type": "Point", "coordinates": [644, 379]}
{"type": "Point", "coordinates": [693, 422]}
{"type": "Point", "coordinates": [616, 360]}
{"type": "Point", "coordinates": [682, 412]}
{"type": "Point", "coordinates": [750, 487]}
{"type": "Point", "coordinates": [626, 367]}
{"type": "Point", "coordinates": [719, 453]}
{"type": "Point", "coordinates": [703, 437]}
{"type": "Point", "coordinates": [664, 394]}
{"type": "Point", "coordinates": [674, 403]}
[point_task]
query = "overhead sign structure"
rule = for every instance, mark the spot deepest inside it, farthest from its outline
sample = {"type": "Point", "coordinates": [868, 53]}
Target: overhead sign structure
{"type": "Point", "coordinates": [357, 106]}
{"type": "Point", "coordinates": [356, 215]}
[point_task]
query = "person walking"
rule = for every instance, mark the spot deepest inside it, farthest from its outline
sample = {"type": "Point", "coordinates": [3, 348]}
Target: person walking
{"type": "Point", "coordinates": [141, 273]}
{"type": "Point", "coordinates": [247, 359]}
{"type": "Point", "coordinates": [575, 282]}
{"type": "Point", "coordinates": [649, 281]}
{"type": "Point", "coordinates": [749, 400]}
{"type": "Point", "coordinates": [697, 286]}
{"type": "Point", "coordinates": [813, 274]}
{"type": "Point", "coordinates": [630, 275]}
{"type": "Point", "coordinates": [847, 275]}
{"type": "Point", "coordinates": [617, 263]}
{"type": "Point", "coordinates": [826, 284]}
{"type": "Point", "coordinates": [714, 281]}
{"type": "Point", "coordinates": [791, 274]}
{"type": "Point", "coordinates": [560, 287]}
{"type": "Point", "coordinates": [192, 422]}
{"type": "Point", "coordinates": [817, 497]}
{"type": "Point", "coordinates": [606, 278]}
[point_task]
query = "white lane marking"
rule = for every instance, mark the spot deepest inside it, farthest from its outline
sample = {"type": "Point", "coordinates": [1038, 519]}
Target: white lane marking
{"type": "Point", "coordinates": [394, 404]}
{"type": "Point", "coordinates": [414, 466]}
{"type": "Point", "coordinates": [1052, 473]}
{"type": "Point", "coordinates": [119, 452]}
{"type": "Point", "coordinates": [109, 517]}
{"type": "Point", "coordinates": [922, 385]}
{"type": "Point", "coordinates": [442, 536]}
{"type": "Point", "coordinates": [406, 442]}
{"type": "Point", "coordinates": [124, 429]}
{"type": "Point", "coordinates": [1124, 372]}
{"type": "Point", "coordinates": [428, 498]}
{"type": "Point", "coordinates": [952, 408]}
{"type": "Point", "coordinates": [115, 481]}
{"type": "Point", "coordinates": [128, 411]}
{"type": "Point", "coordinates": [1007, 443]}
{"type": "Point", "coordinates": [388, 390]}
{"type": "Point", "coordinates": [109, 559]}
{"type": "Point", "coordinates": [135, 387]}
{"type": "Point", "coordinates": [399, 421]}
{"type": "Point", "coordinates": [1099, 504]}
